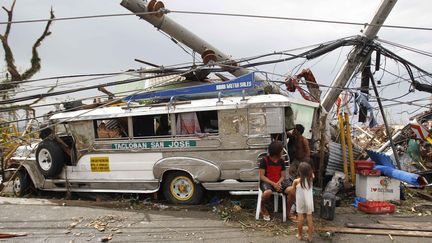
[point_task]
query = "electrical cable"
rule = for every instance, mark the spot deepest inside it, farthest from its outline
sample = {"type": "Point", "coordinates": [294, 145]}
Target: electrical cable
{"type": "Point", "coordinates": [150, 70]}
{"type": "Point", "coordinates": [384, 51]}
{"type": "Point", "coordinates": [103, 105]}
{"type": "Point", "coordinates": [167, 11]}
{"type": "Point", "coordinates": [39, 96]}
{"type": "Point", "coordinates": [91, 87]}
{"type": "Point", "coordinates": [422, 52]}
{"type": "Point", "coordinates": [77, 17]}
{"type": "Point", "coordinates": [57, 85]}
{"type": "Point", "coordinates": [298, 19]}
{"type": "Point", "coordinates": [174, 66]}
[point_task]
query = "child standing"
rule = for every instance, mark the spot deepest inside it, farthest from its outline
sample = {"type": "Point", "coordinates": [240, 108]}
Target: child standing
{"type": "Point", "coordinates": [304, 199]}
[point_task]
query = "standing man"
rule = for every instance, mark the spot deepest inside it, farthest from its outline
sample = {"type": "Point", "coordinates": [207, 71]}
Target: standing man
{"type": "Point", "coordinates": [298, 146]}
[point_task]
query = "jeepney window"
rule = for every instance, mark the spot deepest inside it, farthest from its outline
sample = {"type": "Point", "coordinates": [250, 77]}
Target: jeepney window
{"type": "Point", "coordinates": [156, 125]}
{"type": "Point", "coordinates": [197, 123]}
{"type": "Point", "coordinates": [208, 121]}
{"type": "Point", "coordinates": [111, 128]}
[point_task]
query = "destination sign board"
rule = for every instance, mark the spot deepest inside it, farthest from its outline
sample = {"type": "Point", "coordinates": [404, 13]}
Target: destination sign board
{"type": "Point", "coordinates": [154, 145]}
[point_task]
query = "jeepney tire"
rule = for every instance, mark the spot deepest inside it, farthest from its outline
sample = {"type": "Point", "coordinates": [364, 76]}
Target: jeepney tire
{"type": "Point", "coordinates": [50, 158]}
{"type": "Point", "coordinates": [21, 183]}
{"type": "Point", "coordinates": [179, 188]}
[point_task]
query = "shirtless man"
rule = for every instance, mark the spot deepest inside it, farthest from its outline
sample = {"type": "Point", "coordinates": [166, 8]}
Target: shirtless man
{"type": "Point", "coordinates": [298, 146]}
{"type": "Point", "coordinates": [299, 151]}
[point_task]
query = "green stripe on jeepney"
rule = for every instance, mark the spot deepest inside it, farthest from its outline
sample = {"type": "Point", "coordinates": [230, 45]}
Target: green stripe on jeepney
{"type": "Point", "coordinates": [154, 144]}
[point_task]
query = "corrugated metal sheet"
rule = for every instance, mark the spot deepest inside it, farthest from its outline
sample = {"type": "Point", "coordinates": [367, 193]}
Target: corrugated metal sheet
{"type": "Point", "coordinates": [335, 162]}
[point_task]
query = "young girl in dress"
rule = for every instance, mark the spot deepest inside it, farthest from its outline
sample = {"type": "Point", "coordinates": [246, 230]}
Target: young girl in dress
{"type": "Point", "coordinates": [304, 199]}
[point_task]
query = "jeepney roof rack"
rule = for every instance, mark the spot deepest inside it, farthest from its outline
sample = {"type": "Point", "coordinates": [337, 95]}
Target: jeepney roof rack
{"type": "Point", "coordinates": [240, 86]}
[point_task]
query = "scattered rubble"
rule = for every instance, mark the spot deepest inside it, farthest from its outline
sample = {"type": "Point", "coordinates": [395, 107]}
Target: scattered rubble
{"type": "Point", "coordinates": [106, 238]}
{"type": "Point", "coordinates": [104, 223]}
{"type": "Point", "coordinates": [370, 138]}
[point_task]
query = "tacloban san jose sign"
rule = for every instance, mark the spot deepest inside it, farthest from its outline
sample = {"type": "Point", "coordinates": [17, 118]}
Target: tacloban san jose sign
{"type": "Point", "coordinates": [154, 145]}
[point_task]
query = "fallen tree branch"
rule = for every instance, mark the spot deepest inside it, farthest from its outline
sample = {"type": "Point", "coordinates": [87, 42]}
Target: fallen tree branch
{"type": "Point", "coordinates": [35, 60]}
{"type": "Point", "coordinates": [9, 56]}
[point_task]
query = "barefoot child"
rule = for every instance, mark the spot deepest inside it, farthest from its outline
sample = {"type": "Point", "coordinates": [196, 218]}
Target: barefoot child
{"type": "Point", "coordinates": [304, 199]}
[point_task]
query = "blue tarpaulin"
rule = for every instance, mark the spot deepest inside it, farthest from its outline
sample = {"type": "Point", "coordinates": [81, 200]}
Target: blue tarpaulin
{"type": "Point", "coordinates": [380, 158]}
{"type": "Point", "coordinates": [385, 164]}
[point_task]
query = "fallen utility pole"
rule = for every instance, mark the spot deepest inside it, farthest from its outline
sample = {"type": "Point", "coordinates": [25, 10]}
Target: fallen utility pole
{"type": "Point", "coordinates": [358, 55]}
{"type": "Point", "coordinates": [162, 22]}
{"type": "Point", "coordinates": [396, 156]}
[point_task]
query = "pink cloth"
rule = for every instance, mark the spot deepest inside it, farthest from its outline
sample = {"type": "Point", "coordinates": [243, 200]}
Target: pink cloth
{"type": "Point", "coordinates": [187, 123]}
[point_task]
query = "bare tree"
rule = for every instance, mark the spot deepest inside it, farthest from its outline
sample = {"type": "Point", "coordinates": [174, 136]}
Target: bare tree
{"type": "Point", "coordinates": [9, 85]}
{"type": "Point", "coordinates": [9, 57]}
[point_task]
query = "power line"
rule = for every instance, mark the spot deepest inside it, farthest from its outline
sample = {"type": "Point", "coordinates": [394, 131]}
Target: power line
{"type": "Point", "coordinates": [298, 19]}
{"type": "Point", "coordinates": [150, 70]}
{"type": "Point", "coordinates": [56, 85]}
{"type": "Point", "coordinates": [39, 96]}
{"type": "Point", "coordinates": [384, 51]}
{"type": "Point", "coordinates": [422, 52]}
{"type": "Point", "coordinates": [166, 11]}
{"type": "Point", "coordinates": [177, 67]}
{"type": "Point", "coordinates": [76, 18]}
{"type": "Point", "coordinates": [103, 105]}
{"type": "Point", "coordinates": [168, 67]}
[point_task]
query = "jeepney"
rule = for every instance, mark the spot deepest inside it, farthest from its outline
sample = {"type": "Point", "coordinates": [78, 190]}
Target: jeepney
{"type": "Point", "coordinates": [180, 147]}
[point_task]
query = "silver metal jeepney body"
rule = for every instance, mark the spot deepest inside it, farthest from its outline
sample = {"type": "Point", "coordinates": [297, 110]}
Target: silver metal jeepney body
{"type": "Point", "coordinates": [223, 157]}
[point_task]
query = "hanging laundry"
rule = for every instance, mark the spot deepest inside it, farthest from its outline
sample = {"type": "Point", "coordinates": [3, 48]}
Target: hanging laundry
{"type": "Point", "coordinates": [361, 100]}
{"type": "Point", "coordinates": [413, 150]}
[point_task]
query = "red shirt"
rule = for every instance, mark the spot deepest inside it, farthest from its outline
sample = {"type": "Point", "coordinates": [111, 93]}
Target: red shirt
{"type": "Point", "coordinates": [272, 169]}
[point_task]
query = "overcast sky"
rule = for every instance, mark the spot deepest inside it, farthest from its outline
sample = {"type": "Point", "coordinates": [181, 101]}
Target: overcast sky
{"type": "Point", "coordinates": [111, 44]}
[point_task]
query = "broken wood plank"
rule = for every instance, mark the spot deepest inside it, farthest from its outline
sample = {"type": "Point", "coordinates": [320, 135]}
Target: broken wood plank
{"type": "Point", "coordinates": [4, 235]}
{"type": "Point", "coordinates": [390, 226]}
{"type": "Point", "coordinates": [424, 196]}
{"type": "Point", "coordinates": [406, 223]}
{"type": "Point", "coordinates": [376, 232]}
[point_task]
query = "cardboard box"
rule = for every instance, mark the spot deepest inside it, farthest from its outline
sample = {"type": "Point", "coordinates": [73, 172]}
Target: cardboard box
{"type": "Point", "coordinates": [379, 188]}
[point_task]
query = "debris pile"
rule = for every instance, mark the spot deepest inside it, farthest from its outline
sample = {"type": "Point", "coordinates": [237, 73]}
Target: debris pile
{"type": "Point", "coordinates": [241, 212]}
{"type": "Point", "coordinates": [370, 138]}
{"type": "Point", "coordinates": [110, 224]}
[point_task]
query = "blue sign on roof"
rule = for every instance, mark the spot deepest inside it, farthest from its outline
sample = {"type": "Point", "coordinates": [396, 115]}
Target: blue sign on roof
{"type": "Point", "coordinates": [246, 82]}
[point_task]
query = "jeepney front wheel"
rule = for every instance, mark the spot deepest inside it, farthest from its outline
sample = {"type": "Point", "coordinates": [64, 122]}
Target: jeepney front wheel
{"type": "Point", "coordinates": [21, 183]}
{"type": "Point", "coordinates": [179, 188]}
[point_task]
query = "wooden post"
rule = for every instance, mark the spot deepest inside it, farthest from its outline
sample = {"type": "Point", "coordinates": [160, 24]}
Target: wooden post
{"type": "Point", "coordinates": [322, 152]}
{"type": "Point", "coordinates": [342, 138]}
{"type": "Point", "coordinates": [349, 144]}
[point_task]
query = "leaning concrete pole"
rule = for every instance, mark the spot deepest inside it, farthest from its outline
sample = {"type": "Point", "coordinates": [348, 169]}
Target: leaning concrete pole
{"type": "Point", "coordinates": [180, 33]}
{"type": "Point", "coordinates": [356, 58]}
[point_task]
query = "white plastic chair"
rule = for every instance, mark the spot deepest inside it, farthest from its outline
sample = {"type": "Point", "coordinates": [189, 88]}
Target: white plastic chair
{"type": "Point", "coordinates": [276, 196]}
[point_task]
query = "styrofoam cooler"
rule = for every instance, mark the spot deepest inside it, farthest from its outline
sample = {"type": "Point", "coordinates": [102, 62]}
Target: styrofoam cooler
{"type": "Point", "coordinates": [377, 188]}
